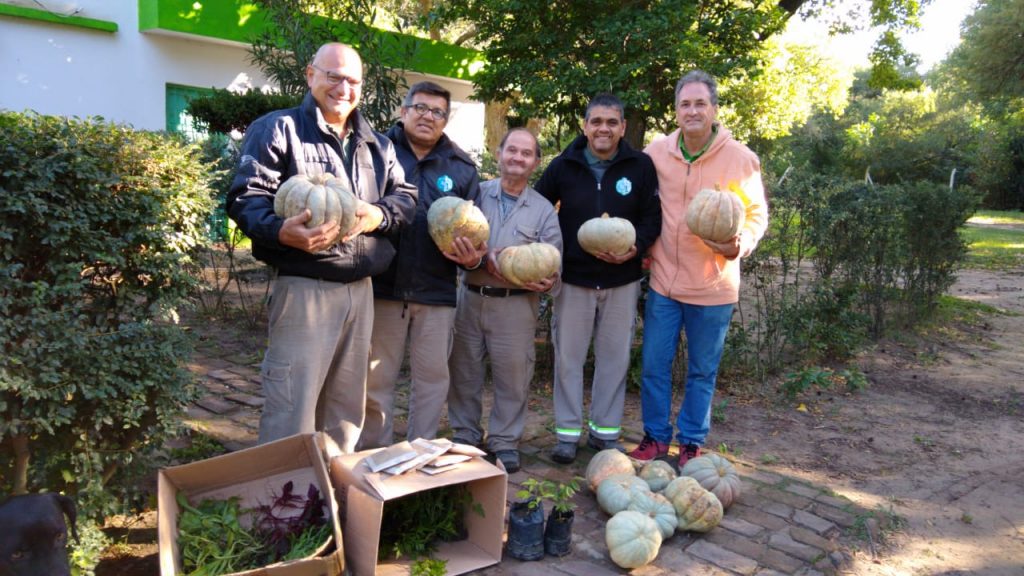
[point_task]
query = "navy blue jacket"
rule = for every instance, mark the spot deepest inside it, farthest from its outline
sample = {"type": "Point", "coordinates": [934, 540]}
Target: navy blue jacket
{"type": "Point", "coordinates": [297, 141]}
{"type": "Point", "coordinates": [420, 272]}
{"type": "Point", "coordinates": [628, 190]}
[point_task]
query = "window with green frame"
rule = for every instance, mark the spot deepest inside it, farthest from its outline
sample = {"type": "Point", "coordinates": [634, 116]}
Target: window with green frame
{"type": "Point", "coordinates": [178, 119]}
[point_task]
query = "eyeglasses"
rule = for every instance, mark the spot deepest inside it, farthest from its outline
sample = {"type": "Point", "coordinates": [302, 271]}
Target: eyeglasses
{"type": "Point", "coordinates": [422, 110]}
{"type": "Point", "coordinates": [335, 79]}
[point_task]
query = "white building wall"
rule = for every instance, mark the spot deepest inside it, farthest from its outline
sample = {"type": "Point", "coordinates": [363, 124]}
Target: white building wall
{"type": "Point", "coordinates": [73, 71]}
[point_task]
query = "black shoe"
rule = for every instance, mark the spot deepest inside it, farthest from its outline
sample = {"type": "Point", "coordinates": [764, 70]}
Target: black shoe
{"type": "Point", "coordinates": [480, 445]}
{"type": "Point", "coordinates": [564, 452]}
{"type": "Point", "coordinates": [601, 444]}
{"type": "Point", "coordinates": [509, 459]}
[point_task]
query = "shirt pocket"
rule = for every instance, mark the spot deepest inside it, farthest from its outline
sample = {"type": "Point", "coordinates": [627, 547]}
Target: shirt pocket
{"type": "Point", "coordinates": [527, 233]}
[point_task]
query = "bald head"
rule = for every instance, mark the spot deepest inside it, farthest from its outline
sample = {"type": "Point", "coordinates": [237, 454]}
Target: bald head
{"type": "Point", "coordinates": [335, 78]}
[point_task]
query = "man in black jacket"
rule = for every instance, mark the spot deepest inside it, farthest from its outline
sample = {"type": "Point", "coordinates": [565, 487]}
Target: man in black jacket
{"type": "Point", "coordinates": [414, 299]}
{"type": "Point", "coordinates": [321, 311]}
{"type": "Point", "coordinates": [599, 173]}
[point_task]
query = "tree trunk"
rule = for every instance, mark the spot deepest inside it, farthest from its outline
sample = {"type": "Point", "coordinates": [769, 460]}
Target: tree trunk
{"type": "Point", "coordinates": [425, 8]}
{"type": "Point", "coordinates": [495, 124]}
{"type": "Point", "coordinates": [636, 128]}
{"type": "Point", "coordinates": [21, 456]}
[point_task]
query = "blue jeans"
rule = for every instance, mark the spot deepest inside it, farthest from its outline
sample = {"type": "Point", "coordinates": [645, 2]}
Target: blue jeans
{"type": "Point", "coordinates": [706, 327]}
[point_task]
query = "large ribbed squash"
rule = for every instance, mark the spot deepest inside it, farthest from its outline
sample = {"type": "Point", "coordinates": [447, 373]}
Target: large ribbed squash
{"type": "Point", "coordinates": [450, 217]}
{"type": "Point", "coordinates": [697, 509]}
{"type": "Point", "coordinates": [658, 508]}
{"type": "Point", "coordinates": [615, 492]}
{"type": "Point", "coordinates": [716, 475]}
{"type": "Point", "coordinates": [607, 463]}
{"type": "Point", "coordinates": [607, 234]}
{"type": "Point", "coordinates": [633, 539]}
{"type": "Point", "coordinates": [328, 199]}
{"type": "Point", "coordinates": [528, 263]}
{"type": "Point", "coordinates": [715, 215]}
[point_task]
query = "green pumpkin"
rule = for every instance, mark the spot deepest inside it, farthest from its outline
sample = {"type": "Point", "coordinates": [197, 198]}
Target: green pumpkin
{"type": "Point", "coordinates": [328, 199]}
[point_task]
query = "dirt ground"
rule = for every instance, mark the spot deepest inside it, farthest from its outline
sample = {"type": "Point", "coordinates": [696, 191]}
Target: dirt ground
{"type": "Point", "coordinates": [936, 440]}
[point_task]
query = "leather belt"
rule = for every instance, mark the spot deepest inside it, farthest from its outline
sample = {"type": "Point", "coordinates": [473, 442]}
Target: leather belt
{"type": "Point", "coordinates": [492, 292]}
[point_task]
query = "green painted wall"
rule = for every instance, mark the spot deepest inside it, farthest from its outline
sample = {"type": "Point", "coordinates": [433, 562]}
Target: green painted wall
{"type": "Point", "coordinates": [239, 20]}
{"type": "Point", "coordinates": [46, 16]}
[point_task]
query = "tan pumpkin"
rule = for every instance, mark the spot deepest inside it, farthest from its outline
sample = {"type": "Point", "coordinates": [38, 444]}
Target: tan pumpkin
{"type": "Point", "coordinates": [607, 463]}
{"type": "Point", "coordinates": [715, 215]}
{"type": "Point", "coordinates": [328, 199]}
{"type": "Point", "coordinates": [658, 508]}
{"type": "Point", "coordinates": [607, 234]}
{"type": "Point", "coordinates": [451, 217]}
{"type": "Point", "coordinates": [697, 509]}
{"type": "Point", "coordinates": [716, 475]}
{"type": "Point", "coordinates": [657, 474]}
{"type": "Point", "coordinates": [615, 492]}
{"type": "Point", "coordinates": [528, 263]}
{"type": "Point", "coordinates": [633, 539]}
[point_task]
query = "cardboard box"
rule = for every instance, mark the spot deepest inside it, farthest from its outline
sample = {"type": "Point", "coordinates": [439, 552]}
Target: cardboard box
{"type": "Point", "coordinates": [255, 475]}
{"type": "Point", "coordinates": [362, 509]}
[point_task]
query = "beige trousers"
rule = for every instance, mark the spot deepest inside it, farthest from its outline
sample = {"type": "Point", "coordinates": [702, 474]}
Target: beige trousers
{"type": "Point", "coordinates": [314, 371]}
{"type": "Point", "coordinates": [502, 329]}
{"type": "Point", "coordinates": [608, 316]}
{"type": "Point", "coordinates": [428, 330]}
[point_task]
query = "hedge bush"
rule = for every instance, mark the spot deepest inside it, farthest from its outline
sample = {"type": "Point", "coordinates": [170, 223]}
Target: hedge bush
{"type": "Point", "coordinates": [222, 111]}
{"type": "Point", "coordinates": [844, 261]}
{"type": "Point", "coordinates": [98, 223]}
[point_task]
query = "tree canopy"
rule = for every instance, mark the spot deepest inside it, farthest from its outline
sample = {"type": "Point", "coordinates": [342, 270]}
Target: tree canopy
{"type": "Point", "coordinates": [549, 59]}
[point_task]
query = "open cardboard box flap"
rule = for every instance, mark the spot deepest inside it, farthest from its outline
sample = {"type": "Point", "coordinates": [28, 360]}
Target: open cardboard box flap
{"type": "Point", "coordinates": [362, 506]}
{"type": "Point", "coordinates": [255, 475]}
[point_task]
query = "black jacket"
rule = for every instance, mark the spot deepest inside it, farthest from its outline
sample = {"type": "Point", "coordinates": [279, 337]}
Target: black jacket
{"type": "Point", "coordinates": [296, 140]}
{"type": "Point", "coordinates": [420, 272]}
{"type": "Point", "coordinates": [628, 190]}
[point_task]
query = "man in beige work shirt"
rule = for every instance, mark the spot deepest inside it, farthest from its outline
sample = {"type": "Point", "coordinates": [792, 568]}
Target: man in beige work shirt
{"type": "Point", "coordinates": [496, 318]}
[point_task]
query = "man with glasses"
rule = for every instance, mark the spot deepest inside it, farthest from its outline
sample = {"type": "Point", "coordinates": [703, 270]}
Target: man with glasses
{"type": "Point", "coordinates": [321, 310]}
{"type": "Point", "coordinates": [414, 300]}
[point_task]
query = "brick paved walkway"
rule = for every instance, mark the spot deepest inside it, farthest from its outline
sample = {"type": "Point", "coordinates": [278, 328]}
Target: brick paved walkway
{"type": "Point", "coordinates": [780, 525]}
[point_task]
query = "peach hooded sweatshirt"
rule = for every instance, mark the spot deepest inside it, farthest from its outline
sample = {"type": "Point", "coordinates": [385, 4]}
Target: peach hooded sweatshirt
{"type": "Point", "coordinates": [683, 268]}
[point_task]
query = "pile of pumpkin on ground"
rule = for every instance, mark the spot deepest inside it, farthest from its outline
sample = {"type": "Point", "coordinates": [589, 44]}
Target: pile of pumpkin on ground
{"type": "Point", "coordinates": [648, 506]}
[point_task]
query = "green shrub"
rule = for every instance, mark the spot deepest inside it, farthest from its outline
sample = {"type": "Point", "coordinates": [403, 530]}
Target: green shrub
{"type": "Point", "coordinates": [933, 215]}
{"type": "Point", "coordinates": [842, 261]}
{"type": "Point", "coordinates": [97, 226]}
{"type": "Point", "coordinates": [223, 111]}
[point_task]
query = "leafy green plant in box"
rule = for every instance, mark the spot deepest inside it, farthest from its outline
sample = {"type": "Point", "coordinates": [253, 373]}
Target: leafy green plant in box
{"type": "Point", "coordinates": [98, 223]}
{"type": "Point", "coordinates": [412, 526]}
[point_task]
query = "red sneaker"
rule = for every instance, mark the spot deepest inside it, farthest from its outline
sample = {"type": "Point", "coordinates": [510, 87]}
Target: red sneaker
{"type": "Point", "coordinates": [687, 453]}
{"type": "Point", "coordinates": [649, 449]}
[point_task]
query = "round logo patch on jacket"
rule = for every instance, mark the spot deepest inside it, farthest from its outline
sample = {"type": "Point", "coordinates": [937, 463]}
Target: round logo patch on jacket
{"type": "Point", "coordinates": [445, 183]}
{"type": "Point", "coordinates": [624, 186]}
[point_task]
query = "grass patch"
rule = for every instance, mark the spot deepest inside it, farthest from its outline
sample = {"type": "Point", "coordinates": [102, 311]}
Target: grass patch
{"type": "Point", "coordinates": [991, 247]}
{"type": "Point", "coordinates": [952, 312]}
{"type": "Point", "coordinates": [997, 217]}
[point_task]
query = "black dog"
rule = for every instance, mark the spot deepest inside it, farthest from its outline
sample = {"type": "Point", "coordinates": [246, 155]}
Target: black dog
{"type": "Point", "coordinates": [33, 535]}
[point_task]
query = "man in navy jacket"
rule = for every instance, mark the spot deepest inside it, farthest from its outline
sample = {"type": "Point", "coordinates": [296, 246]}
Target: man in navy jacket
{"type": "Point", "coordinates": [321, 311]}
{"type": "Point", "coordinates": [414, 299]}
{"type": "Point", "coordinates": [598, 173]}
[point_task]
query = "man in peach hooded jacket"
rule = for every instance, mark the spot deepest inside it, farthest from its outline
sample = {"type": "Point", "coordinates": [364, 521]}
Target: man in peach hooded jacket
{"type": "Point", "coordinates": [694, 283]}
